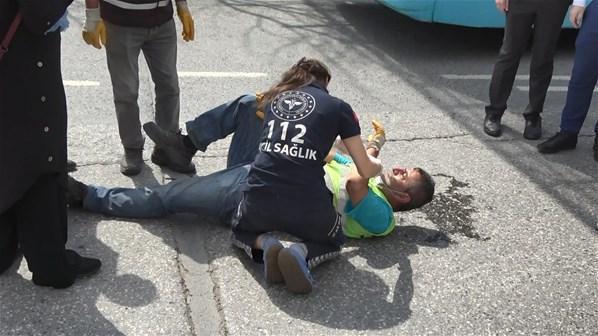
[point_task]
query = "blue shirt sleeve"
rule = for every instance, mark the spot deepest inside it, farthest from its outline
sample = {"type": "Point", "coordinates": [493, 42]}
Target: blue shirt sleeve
{"type": "Point", "coordinates": [372, 213]}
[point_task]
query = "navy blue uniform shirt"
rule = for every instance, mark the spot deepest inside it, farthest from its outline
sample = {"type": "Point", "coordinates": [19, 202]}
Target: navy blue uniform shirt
{"type": "Point", "coordinates": [300, 127]}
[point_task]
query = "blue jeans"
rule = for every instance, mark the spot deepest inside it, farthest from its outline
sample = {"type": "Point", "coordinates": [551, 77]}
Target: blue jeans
{"type": "Point", "coordinates": [216, 195]}
{"type": "Point", "coordinates": [584, 74]}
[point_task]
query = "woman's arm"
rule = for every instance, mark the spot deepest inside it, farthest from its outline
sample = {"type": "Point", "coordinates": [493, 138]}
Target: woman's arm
{"type": "Point", "coordinates": [367, 166]}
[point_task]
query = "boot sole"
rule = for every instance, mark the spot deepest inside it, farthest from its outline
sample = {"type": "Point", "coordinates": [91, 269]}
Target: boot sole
{"type": "Point", "coordinates": [162, 162]}
{"type": "Point", "coordinates": [271, 269]}
{"type": "Point", "coordinates": [295, 279]}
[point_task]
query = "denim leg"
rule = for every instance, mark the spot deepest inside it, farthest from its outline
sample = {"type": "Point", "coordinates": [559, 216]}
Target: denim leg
{"type": "Point", "coordinates": [238, 117]}
{"type": "Point", "coordinates": [584, 74]}
{"type": "Point", "coordinates": [216, 195]}
{"type": "Point", "coordinates": [122, 54]}
{"type": "Point", "coordinates": [160, 52]}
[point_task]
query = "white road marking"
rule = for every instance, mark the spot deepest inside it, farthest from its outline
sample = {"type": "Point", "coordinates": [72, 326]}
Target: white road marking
{"type": "Point", "coordinates": [80, 83]}
{"type": "Point", "coordinates": [488, 77]}
{"type": "Point", "coordinates": [222, 74]}
{"type": "Point", "coordinates": [550, 88]}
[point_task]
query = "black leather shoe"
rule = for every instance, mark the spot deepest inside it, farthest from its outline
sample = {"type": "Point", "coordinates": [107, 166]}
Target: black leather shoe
{"type": "Point", "coordinates": [170, 150]}
{"type": "Point", "coordinates": [492, 126]}
{"type": "Point", "coordinates": [75, 192]}
{"type": "Point", "coordinates": [595, 148]}
{"type": "Point", "coordinates": [558, 142]}
{"type": "Point", "coordinates": [79, 267]}
{"type": "Point", "coordinates": [131, 162]}
{"type": "Point", "coordinates": [71, 166]}
{"type": "Point", "coordinates": [533, 129]}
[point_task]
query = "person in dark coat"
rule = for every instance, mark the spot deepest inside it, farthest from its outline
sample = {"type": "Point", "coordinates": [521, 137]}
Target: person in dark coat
{"type": "Point", "coordinates": [33, 120]}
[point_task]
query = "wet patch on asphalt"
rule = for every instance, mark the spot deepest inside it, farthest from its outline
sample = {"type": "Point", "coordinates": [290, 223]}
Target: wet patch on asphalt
{"type": "Point", "coordinates": [451, 210]}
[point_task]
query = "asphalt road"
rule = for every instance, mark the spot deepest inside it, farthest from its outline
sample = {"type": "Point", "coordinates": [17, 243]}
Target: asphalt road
{"type": "Point", "coordinates": [509, 246]}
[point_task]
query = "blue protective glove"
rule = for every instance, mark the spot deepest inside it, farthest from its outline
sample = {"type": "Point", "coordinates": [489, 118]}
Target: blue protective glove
{"type": "Point", "coordinates": [61, 25]}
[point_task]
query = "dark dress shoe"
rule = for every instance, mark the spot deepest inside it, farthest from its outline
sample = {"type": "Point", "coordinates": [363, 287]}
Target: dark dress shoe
{"type": "Point", "coordinates": [75, 192]}
{"type": "Point", "coordinates": [78, 267]}
{"type": "Point", "coordinates": [595, 148]}
{"type": "Point", "coordinates": [71, 166]}
{"type": "Point", "coordinates": [533, 129]}
{"type": "Point", "coordinates": [559, 142]}
{"type": "Point", "coordinates": [492, 126]}
{"type": "Point", "coordinates": [170, 150]}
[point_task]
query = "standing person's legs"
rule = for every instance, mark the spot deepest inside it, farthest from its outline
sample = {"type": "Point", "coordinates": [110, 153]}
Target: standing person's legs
{"type": "Point", "coordinates": [160, 52]}
{"type": "Point", "coordinates": [518, 28]}
{"type": "Point", "coordinates": [584, 74]}
{"type": "Point", "coordinates": [238, 117]}
{"type": "Point", "coordinates": [547, 27]}
{"type": "Point", "coordinates": [581, 86]}
{"type": "Point", "coordinates": [122, 52]}
{"type": "Point", "coordinates": [42, 231]}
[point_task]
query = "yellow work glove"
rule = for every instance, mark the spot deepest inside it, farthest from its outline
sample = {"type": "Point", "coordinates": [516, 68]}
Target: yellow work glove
{"type": "Point", "coordinates": [94, 31]}
{"type": "Point", "coordinates": [378, 138]}
{"type": "Point", "coordinates": [258, 98]}
{"type": "Point", "coordinates": [188, 25]}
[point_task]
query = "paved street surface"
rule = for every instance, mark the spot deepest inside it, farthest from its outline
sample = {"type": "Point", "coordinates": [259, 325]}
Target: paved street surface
{"type": "Point", "coordinates": [508, 247]}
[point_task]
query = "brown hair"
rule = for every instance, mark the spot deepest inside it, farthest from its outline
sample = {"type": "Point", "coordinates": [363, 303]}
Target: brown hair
{"type": "Point", "coordinates": [302, 73]}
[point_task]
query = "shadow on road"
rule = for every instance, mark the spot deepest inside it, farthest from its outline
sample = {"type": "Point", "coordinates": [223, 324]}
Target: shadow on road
{"type": "Point", "coordinates": [26, 309]}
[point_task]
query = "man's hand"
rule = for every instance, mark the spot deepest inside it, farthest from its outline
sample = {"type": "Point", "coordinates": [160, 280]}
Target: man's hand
{"type": "Point", "coordinates": [187, 20]}
{"type": "Point", "coordinates": [94, 31]}
{"type": "Point", "coordinates": [378, 138]}
{"type": "Point", "coordinates": [576, 15]}
{"type": "Point", "coordinates": [502, 5]}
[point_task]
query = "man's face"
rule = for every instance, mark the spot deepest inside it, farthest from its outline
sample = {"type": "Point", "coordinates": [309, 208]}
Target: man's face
{"type": "Point", "coordinates": [400, 179]}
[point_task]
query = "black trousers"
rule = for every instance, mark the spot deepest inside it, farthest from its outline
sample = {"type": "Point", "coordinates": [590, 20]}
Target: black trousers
{"type": "Point", "coordinates": [541, 19]}
{"type": "Point", "coordinates": [37, 224]}
{"type": "Point", "coordinates": [311, 218]}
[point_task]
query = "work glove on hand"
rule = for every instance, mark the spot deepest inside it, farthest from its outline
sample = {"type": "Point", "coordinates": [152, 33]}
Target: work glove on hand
{"type": "Point", "coordinates": [94, 31]}
{"type": "Point", "coordinates": [187, 20]}
{"type": "Point", "coordinates": [378, 138]}
{"type": "Point", "coordinates": [258, 98]}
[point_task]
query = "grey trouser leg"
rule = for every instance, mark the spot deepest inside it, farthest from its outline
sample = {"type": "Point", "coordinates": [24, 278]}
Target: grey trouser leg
{"type": "Point", "coordinates": [160, 53]}
{"type": "Point", "coordinates": [122, 50]}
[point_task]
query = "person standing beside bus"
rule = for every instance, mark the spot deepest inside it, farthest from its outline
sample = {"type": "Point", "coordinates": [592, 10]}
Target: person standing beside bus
{"type": "Point", "coordinates": [33, 122]}
{"type": "Point", "coordinates": [127, 27]}
{"type": "Point", "coordinates": [583, 80]}
{"type": "Point", "coordinates": [524, 18]}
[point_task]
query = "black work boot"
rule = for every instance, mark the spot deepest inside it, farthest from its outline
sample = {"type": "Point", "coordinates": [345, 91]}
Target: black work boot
{"type": "Point", "coordinates": [595, 148]}
{"type": "Point", "coordinates": [131, 162]}
{"type": "Point", "coordinates": [170, 150]}
{"type": "Point", "coordinates": [533, 128]}
{"type": "Point", "coordinates": [558, 142]}
{"type": "Point", "coordinates": [492, 125]}
{"type": "Point", "coordinates": [75, 192]}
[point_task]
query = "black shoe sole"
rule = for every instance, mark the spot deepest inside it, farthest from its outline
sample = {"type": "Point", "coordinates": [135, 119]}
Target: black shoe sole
{"type": "Point", "coordinates": [165, 163]}
{"type": "Point", "coordinates": [554, 151]}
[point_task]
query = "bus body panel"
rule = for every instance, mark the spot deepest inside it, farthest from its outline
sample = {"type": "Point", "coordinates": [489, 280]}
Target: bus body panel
{"type": "Point", "coordinates": [469, 13]}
